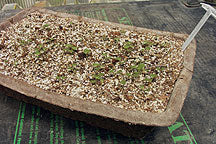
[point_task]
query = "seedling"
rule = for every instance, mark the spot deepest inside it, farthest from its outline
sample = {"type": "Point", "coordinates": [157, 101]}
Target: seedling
{"type": "Point", "coordinates": [148, 80]}
{"type": "Point", "coordinates": [116, 39]}
{"type": "Point", "coordinates": [140, 66]}
{"type": "Point", "coordinates": [97, 77]}
{"type": "Point", "coordinates": [118, 58]}
{"type": "Point", "coordinates": [136, 74]}
{"type": "Point", "coordinates": [73, 68]}
{"type": "Point", "coordinates": [147, 48]}
{"type": "Point", "coordinates": [111, 71]}
{"type": "Point", "coordinates": [60, 77]}
{"type": "Point", "coordinates": [142, 87]}
{"type": "Point", "coordinates": [46, 25]}
{"type": "Point", "coordinates": [72, 47]}
{"type": "Point", "coordinates": [153, 75]}
{"type": "Point", "coordinates": [128, 45]}
{"type": "Point", "coordinates": [123, 82]}
{"type": "Point", "coordinates": [147, 43]}
{"type": "Point", "coordinates": [119, 72]}
{"type": "Point", "coordinates": [128, 74]}
{"type": "Point", "coordinates": [87, 51]}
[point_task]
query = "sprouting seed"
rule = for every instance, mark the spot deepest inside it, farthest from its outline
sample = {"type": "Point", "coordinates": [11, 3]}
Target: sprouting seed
{"type": "Point", "coordinates": [87, 51]}
{"type": "Point", "coordinates": [123, 82]}
{"type": "Point", "coordinates": [147, 48]}
{"type": "Point", "coordinates": [96, 64]}
{"type": "Point", "coordinates": [111, 71]}
{"type": "Point", "coordinates": [140, 66]}
{"type": "Point", "coordinates": [142, 87]}
{"type": "Point", "coordinates": [128, 74]}
{"type": "Point", "coordinates": [153, 75]}
{"type": "Point", "coordinates": [46, 25]}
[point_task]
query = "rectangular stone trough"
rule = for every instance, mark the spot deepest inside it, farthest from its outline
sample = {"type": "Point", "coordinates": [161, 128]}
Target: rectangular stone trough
{"type": "Point", "coordinates": [127, 122]}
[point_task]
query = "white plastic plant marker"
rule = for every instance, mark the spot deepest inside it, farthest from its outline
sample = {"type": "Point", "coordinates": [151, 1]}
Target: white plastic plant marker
{"type": "Point", "coordinates": [209, 11]}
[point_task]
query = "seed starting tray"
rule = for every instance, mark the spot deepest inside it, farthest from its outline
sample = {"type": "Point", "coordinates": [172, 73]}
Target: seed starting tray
{"type": "Point", "coordinates": [79, 109]}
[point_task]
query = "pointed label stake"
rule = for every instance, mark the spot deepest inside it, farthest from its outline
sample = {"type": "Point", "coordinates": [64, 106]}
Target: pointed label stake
{"type": "Point", "coordinates": [209, 11]}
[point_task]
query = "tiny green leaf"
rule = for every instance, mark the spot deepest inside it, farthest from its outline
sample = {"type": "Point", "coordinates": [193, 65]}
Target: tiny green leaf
{"type": "Point", "coordinates": [128, 74]}
{"type": "Point", "coordinates": [70, 68]}
{"type": "Point", "coordinates": [104, 54]}
{"type": "Point", "coordinates": [126, 46]}
{"type": "Point", "coordinates": [102, 80]}
{"type": "Point", "coordinates": [87, 51]}
{"type": "Point", "coordinates": [123, 82]}
{"type": "Point", "coordinates": [147, 48]}
{"type": "Point", "coordinates": [133, 67]}
{"type": "Point", "coordinates": [142, 87]}
{"type": "Point", "coordinates": [44, 49]}
{"type": "Point", "coordinates": [140, 66]}
{"type": "Point", "coordinates": [74, 47]}
{"type": "Point", "coordinates": [119, 71]}
{"type": "Point", "coordinates": [63, 77]}
{"type": "Point", "coordinates": [96, 64]}
{"type": "Point", "coordinates": [153, 75]}
{"type": "Point", "coordinates": [116, 39]}
{"type": "Point", "coordinates": [136, 74]}
{"type": "Point", "coordinates": [97, 77]}
{"type": "Point", "coordinates": [147, 79]}
{"type": "Point", "coordinates": [122, 31]}
{"type": "Point", "coordinates": [46, 25]}
{"type": "Point", "coordinates": [118, 58]}
{"type": "Point", "coordinates": [111, 71]}
{"type": "Point", "coordinates": [74, 65]}
{"type": "Point", "coordinates": [93, 81]}
{"type": "Point", "coordinates": [100, 74]}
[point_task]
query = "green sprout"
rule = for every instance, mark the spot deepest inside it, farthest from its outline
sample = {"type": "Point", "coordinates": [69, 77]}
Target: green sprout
{"type": "Point", "coordinates": [122, 31]}
{"type": "Point", "coordinates": [111, 71]}
{"type": "Point", "coordinates": [148, 80]}
{"type": "Point", "coordinates": [119, 71]}
{"type": "Point", "coordinates": [93, 81]}
{"type": "Point", "coordinates": [46, 25]}
{"type": "Point", "coordinates": [118, 58]}
{"type": "Point", "coordinates": [147, 48]}
{"type": "Point", "coordinates": [105, 54]}
{"type": "Point", "coordinates": [96, 64]}
{"type": "Point", "coordinates": [153, 75]}
{"type": "Point", "coordinates": [142, 87]}
{"type": "Point", "coordinates": [70, 46]}
{"type": "Point", "coordinates": [72, 68]}
{"type": "Point", "coordinates": [97, 77]}
{"type": "Point", "coordinates": [140, 66]}
{"type": "Point", "coordinates": [128, 74]}
{"type": "Point", "coordinates": [128, 45]}
{"type": "Point", "coordinates": [87, 51]}
{"type": "Point", "coordinates": [116, 39]}
{"type": "Point", "coordinates": [147, 43]}
{"type": "Point", "coordinates": [22, 42]}
{"type": "Point", "coordinates": [123, 82]}
{"type": "Point", "coordinates": [136, 74]}
{"type": "Point", "coordinates": [15, 63]}
{"type": "Point", "coordinates": [30, 40]}
{"type": "Point", "coordinates": [60, 77]}
{"type": "Point", "coordinates": [37, 51]}
{"type": "Point", "coordinates": [160, 68]}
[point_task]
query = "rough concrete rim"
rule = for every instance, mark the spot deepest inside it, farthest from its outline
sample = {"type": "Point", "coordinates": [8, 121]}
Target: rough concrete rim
{"type": "Point", "coordinates": [135, 117]}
